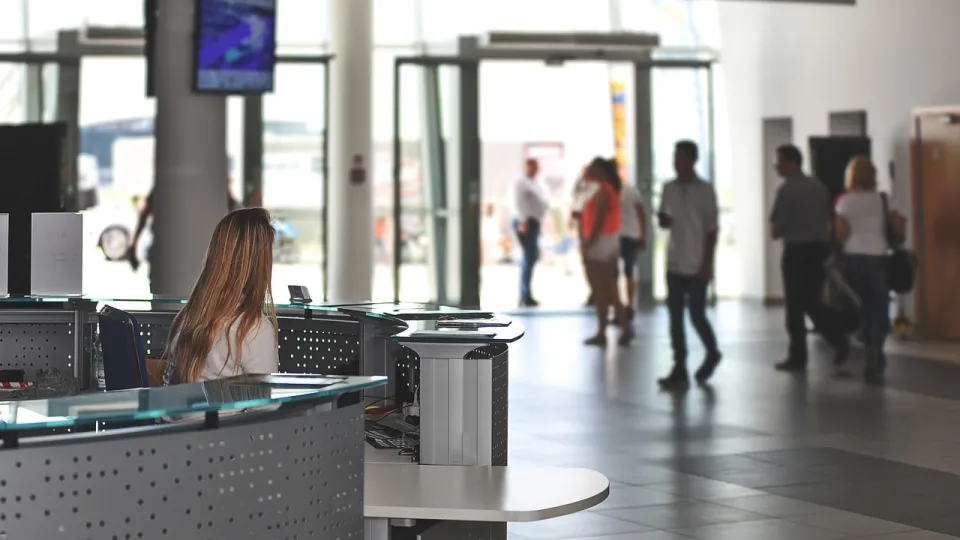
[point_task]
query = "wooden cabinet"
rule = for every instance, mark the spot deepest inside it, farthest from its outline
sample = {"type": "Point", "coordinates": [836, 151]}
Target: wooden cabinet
{"type": "Point", "coordinates": [935, 180]}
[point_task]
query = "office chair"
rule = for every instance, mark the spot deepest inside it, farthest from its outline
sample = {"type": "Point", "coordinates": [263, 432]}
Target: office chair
{"type": "Point", "coordinates": [124, 364]}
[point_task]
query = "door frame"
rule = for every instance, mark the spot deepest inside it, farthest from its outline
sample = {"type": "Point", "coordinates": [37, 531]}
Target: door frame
{"type": "Point", "coordinates": [470, 54]}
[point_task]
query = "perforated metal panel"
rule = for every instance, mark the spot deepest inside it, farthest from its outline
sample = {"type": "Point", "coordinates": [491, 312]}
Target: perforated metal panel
{"type": "Point", "coordinates": [319, 346]}
{"type": "Point", "coordinates": [293, 477]}
{"type": "Point", "coordinates": [501, 396]}
{"type": "Point", "coordinates": [33, 346]}
{"type": "Point", "coordinates": [154, 337]}
{"type": "Point", "coordinates": [322, 346]}
{"type": "Point", "coordinates": [500, 377]}
{"type": "Point", "coordinates": [406, 374]}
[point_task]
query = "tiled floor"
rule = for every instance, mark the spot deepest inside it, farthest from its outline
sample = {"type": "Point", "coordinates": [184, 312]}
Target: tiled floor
{"type": "Point", "coordinates": [755, 455]}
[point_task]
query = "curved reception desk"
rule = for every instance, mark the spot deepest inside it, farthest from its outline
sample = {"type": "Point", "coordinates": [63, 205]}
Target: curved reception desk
{"type": "Point", "coordinates": [180, 462]}
{"type": "Point", "coordinates": [291, 466]}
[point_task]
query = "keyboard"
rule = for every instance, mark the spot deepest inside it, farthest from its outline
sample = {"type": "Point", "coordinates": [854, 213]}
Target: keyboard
{"type": "Point", "coordinates": [385, 437]}
{"type": "Point", "coordinates": [390, 444]}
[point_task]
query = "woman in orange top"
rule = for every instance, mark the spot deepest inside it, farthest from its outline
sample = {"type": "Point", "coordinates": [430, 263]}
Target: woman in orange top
{"type": "Point", "coordinates": [600, 241]}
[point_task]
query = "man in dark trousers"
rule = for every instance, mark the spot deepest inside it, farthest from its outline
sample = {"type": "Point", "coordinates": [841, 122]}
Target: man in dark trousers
{"type": "Point", "coordinates": [801, 219]}
{"type": "Point", "coordinates": [530, 205]}
{"type": "Point", "coordinates": [689, 210]}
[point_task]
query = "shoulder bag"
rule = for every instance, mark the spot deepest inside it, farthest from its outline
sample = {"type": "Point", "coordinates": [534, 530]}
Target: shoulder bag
{"type": "Point", "coordinates": [901, 263]}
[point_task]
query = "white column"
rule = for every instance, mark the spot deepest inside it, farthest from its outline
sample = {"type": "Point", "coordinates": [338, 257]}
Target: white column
{"type": "Point", "coordinates": [190, 193]}
{"type": "Point", "coordinates": [351, 136]}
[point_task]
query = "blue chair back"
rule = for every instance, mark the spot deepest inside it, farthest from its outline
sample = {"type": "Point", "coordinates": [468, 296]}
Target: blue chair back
{"type": "Point", "coordinates": [124, 364]}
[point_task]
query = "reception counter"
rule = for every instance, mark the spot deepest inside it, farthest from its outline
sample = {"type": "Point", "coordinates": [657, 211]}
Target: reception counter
{"type": "Point", "coordinates": [291, 466]}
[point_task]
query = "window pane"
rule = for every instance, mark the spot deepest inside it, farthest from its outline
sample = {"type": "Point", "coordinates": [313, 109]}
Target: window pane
{"type": "Point", "coordinates": [11, 26]}
{"type": "Point", "coordinates": [13, 106]}
{"type": "Point", "coordinates": [394, 22]}
{"type": "Point", "coordinates": [446, 19]}
{"type": "Point", "coordinates": [303, 26]}
{"type": "Point", "coordinates": [410, 124]}
{"type": "Point", "coordinates": [293, 174]}
{"type": "Point", "coordinates": [47, 17]}
{"type": "Point", "coordinates": [116, 171]}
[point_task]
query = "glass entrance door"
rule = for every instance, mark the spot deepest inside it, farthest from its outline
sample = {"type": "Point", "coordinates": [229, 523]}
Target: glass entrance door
{"type": "Point", "coordinates": [292, 181]}
{"type": "Point", "coordinates": [425, 224]}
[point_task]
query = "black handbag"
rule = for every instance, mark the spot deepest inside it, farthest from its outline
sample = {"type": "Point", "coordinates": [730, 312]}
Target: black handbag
{"type": "Point", "coordinates": [901, 262]}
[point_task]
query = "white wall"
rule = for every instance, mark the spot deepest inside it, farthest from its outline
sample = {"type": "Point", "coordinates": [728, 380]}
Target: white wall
{"type": "Point", "coordinates": [802, 61]}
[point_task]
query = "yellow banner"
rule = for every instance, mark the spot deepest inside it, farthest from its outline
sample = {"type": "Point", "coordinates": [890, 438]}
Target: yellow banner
{"type": "Point", "coordinates": [618, 101]}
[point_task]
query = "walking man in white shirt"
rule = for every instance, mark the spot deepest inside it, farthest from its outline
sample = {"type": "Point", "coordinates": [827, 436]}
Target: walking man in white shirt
{"type": "Point", "coordinates": [633, 222]}
{"type": "Point", "coordinates": [688, 209]}
{"type": "Point", "coordinates": [530, 205]}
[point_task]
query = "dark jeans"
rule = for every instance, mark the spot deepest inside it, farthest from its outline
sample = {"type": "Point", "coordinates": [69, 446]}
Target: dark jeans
{"type": "Point", "coordinates": [629, 248]}
{"type": "Point", "coordinates": [530, 244]}
{"type": "Point", "coordinates": [868, 277]}
{"type": "Point", "coordinates": [803, 275]}
{"type": "Point", "coordinates": [682, 292]}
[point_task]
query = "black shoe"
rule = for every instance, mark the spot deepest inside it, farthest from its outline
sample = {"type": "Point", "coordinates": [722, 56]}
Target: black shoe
{"type": "Point", "coordinates": [791, 366]}
{"type": "Point", "coordinates": [710, 363]}
{"type": "Point", "coordinates": [841, 353]}
{"type": "Point", "coordinates": [596, 341]}
{"type": "Point", "coordinates": [626, 338]}
{"type": "Point", "coordinates": [678, 378]}
{"type": "Point", "coordinates": [631, 314]}
{"type": "Point", "coordinates": [529, 302]}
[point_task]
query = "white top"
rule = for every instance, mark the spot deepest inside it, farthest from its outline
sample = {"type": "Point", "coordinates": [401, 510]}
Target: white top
{"type": "Point", "coordinates": [466, 493]}
{"type": "Point", "coordinates": [863, 212]}
{"type": "Point", "coordinates": [693, 207]}
{"type": "Point", "coordinates": [529, 199]}
{"type": "Point", "coordinates": [630, 198]}
{"type": "Point", "coordinates": [260, 353]}
{"type": "Point", "coordinates": [583, 192]}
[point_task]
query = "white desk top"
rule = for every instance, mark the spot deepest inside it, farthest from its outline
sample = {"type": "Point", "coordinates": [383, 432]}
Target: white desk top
{"type": "Point", "coordinates": [463, 493]}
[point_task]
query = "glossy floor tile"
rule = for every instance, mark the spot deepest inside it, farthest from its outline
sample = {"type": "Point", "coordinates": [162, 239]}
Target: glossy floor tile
{"type": "Point", "coordinates": [754, 454]}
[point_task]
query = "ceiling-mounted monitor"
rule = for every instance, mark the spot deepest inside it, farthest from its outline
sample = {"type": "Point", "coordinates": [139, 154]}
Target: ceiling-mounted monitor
{"type": "Point", "coordinates": [236, 46]}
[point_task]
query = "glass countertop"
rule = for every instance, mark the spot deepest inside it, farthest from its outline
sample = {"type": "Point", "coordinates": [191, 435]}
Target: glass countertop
{"type": "Point", "coordinates": [234, 393]}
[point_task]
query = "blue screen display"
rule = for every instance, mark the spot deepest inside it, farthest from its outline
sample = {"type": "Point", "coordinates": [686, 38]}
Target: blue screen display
{"type": "Point", "coordinates": [236, 45]}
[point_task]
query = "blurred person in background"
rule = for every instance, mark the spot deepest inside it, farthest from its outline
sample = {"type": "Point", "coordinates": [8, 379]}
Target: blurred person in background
{"type": "Point", "coordinates": [800, 217]}
{"type": "Point", "coordinates": [867, 227]}
{"type": "Point", "coordinates": [633, 221]}
{"type": "Point", "coordinates": [489, 233]}
{"type": "Point", "coordinates": [530, 205]}
{"type": "Point", "coordinates": [145, 217]}
{"type": "Point", "coordinates": [583, 190]}
{"type": "Point", "coordinates": [688, 209]}
{"type": "Point", "coordinates": [600, 244]}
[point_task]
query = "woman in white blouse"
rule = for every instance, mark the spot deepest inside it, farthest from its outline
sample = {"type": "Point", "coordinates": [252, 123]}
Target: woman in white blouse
{"type": "Point", "coordinates": [229, 325]}
{"type": "Point", "coordinates": [866, 232]}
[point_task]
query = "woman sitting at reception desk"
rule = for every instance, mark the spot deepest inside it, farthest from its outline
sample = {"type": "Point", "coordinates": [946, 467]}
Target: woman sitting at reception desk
{"type": "Point", "coordinates": [229, 325]}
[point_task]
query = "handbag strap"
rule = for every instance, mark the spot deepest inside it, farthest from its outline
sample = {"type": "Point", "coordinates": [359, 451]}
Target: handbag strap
{"type": "Point", "coordinates": [887, 225]}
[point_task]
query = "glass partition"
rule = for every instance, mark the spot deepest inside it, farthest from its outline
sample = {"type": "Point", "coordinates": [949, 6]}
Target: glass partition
{"type": "Point", "coordinates": [294, 127]}
{"type": "Point", "coordinates": [233, 393]}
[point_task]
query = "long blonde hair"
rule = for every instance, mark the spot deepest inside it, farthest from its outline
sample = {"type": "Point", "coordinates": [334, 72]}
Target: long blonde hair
{"type": "Point", "coordinates": [234, 286]}
{"type": "Point", "coordinates": [861, 174]}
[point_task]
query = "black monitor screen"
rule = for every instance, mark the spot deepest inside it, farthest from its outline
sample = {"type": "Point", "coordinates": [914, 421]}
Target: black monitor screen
{"type": "Point", "coordinates": [236, 46]}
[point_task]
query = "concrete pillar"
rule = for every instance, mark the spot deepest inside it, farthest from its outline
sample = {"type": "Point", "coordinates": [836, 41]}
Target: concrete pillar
{"type": "Point", "coordinates": [190, 193]}
{"type": "Point", "coordinates": [350, 223]}
{"type": "Point", "coordinates": [643, 175]}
